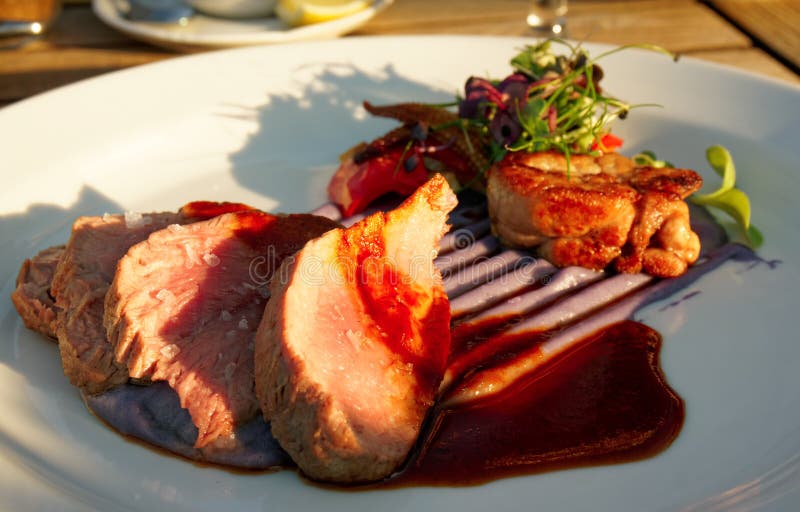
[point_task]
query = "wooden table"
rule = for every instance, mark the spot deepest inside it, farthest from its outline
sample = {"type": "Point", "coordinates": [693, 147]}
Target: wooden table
{"type": "Point", "coordinates": [762, 36]}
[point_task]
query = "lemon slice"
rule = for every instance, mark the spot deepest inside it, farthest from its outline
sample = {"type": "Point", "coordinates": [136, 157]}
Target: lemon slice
{"type": "Point", "coordinates": [305, 12]}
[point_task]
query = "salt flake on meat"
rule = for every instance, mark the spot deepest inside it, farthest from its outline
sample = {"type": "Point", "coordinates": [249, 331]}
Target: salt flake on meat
{"type": "Point", "coordinates": [191, 256]}
{"type": "Point", "coordinates": [135, 220]}
{"type": "Point", "coordinates": [165, 295]}
{"type": "Point", "coordinates": [170, 351]}
{"type": "Point", "coordinates": [211, 259]}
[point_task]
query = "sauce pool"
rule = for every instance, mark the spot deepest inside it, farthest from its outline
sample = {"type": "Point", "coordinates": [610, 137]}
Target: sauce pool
{"type": "Point", "coordinates": [605, 402]}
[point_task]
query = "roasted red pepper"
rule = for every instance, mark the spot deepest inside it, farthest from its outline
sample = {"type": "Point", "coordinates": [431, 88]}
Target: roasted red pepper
{"type": "Point", "coordinates": [399, 169]}
{"type": "Point", "coordinates": [608, 143]}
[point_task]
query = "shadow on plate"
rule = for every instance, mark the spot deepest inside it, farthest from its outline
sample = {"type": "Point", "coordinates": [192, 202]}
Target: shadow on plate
{"type": "Point", "coordinates": [44, 225]}
{"type": "Point", "coordinates": [325, 118]}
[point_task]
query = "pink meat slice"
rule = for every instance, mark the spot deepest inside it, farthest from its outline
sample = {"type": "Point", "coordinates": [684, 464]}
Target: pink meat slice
{"type": "Point", "coordinates": [354, 342]}
{"type": "Point", "coordinates": [185, 303]}
{"type": "Point", "coordinates": [81, 280]}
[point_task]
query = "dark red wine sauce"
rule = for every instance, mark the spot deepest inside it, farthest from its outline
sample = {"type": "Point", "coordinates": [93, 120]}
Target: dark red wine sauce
{"type": "Point", "coordinates": [605, 402]}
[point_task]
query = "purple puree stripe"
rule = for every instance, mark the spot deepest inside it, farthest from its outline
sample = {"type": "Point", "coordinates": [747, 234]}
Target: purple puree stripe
{"type": "Point", "coordinates": [466, 215]}
{"type": "Point", "coordinates": [494, 291]}
{"type": "Point", "coordinates": [463, 236]}
{"type": "Point", "coordinates": [493, 380]}
{"type": "Point", "coordinates": [580, 303]}
{"type": "Point", "coordinates": [456, 261]}
{"type": "Point", "coordinates": [485, 270]}
{"type": "Point", "coordinates": [559, 284]}
{"type": "Point", "coordinates": [588, 299]}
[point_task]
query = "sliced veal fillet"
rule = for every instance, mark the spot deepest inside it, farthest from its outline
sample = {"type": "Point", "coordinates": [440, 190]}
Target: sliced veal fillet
{"type": "Point", "coordinates": [81, 280]}
{"type": "Point", "coordinates": [184, 306]}
{"type": "Point", "coordinates": [600, 210]}
{"type": "Point", "coordinates": [353, 343]}
{"type": "Point", "coordinates": [32, 296]}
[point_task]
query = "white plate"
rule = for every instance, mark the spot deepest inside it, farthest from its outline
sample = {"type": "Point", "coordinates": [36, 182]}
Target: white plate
{"type": "Point", "coordinates": [264, 125]}
{"type": "Point", "coordinates": [205, 32]}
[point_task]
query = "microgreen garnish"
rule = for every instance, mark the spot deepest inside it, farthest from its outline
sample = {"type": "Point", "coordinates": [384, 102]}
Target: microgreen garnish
{"type": "Point", "coordinates": [549, 102]}
{"type": "Point", "coordinates": [648, 159]}
{"type": "Point", "coordinates": [727, 197]}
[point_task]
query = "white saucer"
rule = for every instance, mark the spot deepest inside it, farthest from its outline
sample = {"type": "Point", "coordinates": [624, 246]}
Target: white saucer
{"type": "Point", "coordinates": [206, 32]}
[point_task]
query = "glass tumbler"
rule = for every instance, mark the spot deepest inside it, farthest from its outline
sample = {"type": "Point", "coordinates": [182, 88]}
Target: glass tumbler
{"type": "Point", "coordinates": [27, 17]}
{"type": "Point", "coordinates": [547, 16]}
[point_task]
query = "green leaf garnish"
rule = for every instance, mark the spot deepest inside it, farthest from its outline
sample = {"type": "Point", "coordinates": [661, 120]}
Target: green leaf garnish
{"type": "Point", "coordinates": [648, 159]}
{"type": "Point", "coordinates": [722, 163]}
{"type": "Point", "coordinates": [727, 197]}
{"type": "Point", "coordinates": [755, 237]}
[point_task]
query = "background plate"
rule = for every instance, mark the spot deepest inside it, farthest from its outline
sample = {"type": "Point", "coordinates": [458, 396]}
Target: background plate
{"type": "Point", "coordinates": [264, 125]}
{"type": "Point", "coordinates": [204, 32]}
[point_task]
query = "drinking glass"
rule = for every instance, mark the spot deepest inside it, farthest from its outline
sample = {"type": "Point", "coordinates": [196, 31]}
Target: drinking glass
{"type": "Point", "coordinates": [548, 15]}
{"type": "Point", "coordinates": [26, 18]}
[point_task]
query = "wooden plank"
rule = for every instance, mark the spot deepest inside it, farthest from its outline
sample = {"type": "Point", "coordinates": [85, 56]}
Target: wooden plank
{"type": "Point", "coordinates": [81, 46]}
{"type": "Point", "coordinates": [78, 26]}
{"type": "Point", "coordinates": [40, 71]}
{"type": "Point", "coordinates": [753, 60]}
{"type": "Point", "coordinates": [775, 23]}
{"type": "Point", "coordinates": [447, 14]}
{"type": "Point", "coordinates": [679, 25]}
{"type": "Point", "coordinates": [676, 25]}
{"type": "Point", "coordinates": [43, 10]}
{"type": "Point", "coordinates": [78, 46]}
{"type": "Point", "coordinates": [79, 58]}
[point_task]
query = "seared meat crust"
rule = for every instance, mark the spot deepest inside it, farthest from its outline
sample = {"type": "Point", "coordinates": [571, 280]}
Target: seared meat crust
{"type": "Point", "coordinates": [32, 296]}
{"type": "Point", "coordinates": [600, 210]}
